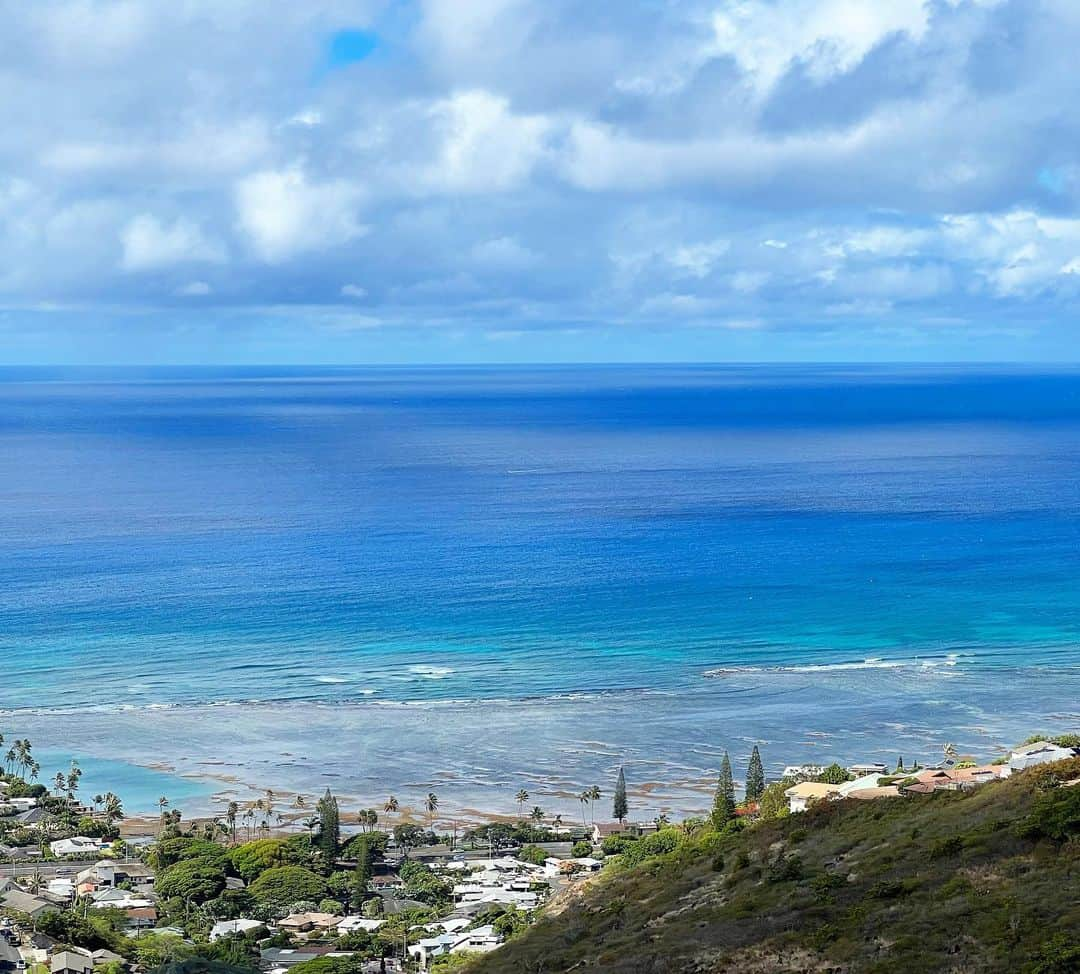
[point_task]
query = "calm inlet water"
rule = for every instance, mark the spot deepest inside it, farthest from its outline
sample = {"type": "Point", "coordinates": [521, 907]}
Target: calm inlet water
{"type": "Point", "coordinates": [474, 580]}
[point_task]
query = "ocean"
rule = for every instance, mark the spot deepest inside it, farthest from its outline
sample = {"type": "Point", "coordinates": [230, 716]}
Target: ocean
{"type": "Point", "coordinates": [398, 580]}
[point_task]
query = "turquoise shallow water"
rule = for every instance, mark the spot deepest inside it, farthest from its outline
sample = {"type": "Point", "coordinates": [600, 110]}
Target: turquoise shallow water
{"type": "Point", "coordinates": [392, 578]}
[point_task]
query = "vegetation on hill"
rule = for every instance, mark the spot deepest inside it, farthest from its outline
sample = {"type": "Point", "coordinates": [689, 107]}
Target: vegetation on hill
{"type": "Point", "coordinates": [979, 881]}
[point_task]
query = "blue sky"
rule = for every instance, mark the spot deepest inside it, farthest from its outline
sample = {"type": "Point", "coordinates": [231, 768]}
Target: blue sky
{"type": "Point", "coordinates": [539, 180]}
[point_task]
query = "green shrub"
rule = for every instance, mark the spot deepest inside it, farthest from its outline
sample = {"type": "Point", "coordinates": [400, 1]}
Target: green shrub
{"type": "Point", "coordinates": [945, 848]}
{"type": "Point", "coordinates": [582, 850]}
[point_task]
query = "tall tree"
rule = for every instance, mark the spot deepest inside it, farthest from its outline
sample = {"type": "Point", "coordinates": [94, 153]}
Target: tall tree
{"type": "Point", "coordinates": [329, 827]}
{"type": "Point", "coordinates": [619, 807]}
{"type": "Point", "coordinates": [521, 797]}
{"type": "Point", "coordinates": [362, 877]}
{"type": "Point", "coordinates": [431, 803]}
{"type": "Point", "coordinates": [724, 801]}
{"type": "Point", "coordinates": [584, 799]}
{"type": "Point", "coordinates": [594, 797]}
{"type": "Point", "coordinates": [755, 777]}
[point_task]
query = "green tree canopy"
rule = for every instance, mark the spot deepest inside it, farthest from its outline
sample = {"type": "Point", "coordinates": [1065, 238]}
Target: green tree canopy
{"type": "Point", "coordinates": [253, 858]}
{"type": "Point", "coordinates": [755, 776]}
{"type": "Point", "coordinates": [282, 885]}
{"type": "Point", "coordinates": [724, 799]}
{"type": "Point", "coordinates": [619, 808]}
{"type": "Point", "coordinates": [192, 880]}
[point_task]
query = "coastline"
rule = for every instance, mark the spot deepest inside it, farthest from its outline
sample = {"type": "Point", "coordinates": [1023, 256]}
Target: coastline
{"type": "Point", "coordinates": [477, 754]}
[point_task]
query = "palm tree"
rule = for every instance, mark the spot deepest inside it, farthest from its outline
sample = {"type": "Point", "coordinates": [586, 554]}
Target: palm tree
{"type": "Point", "coordinates": [432, 806]}
{"type": "Point", "coordinates": [58, 782]}
{"type": "Point", "coordinates": [390, 806]}
{"type": "Point", "coordinates": [230, 817]}
{"type": "Point", "coordinates": [521, 797]}
{"type": "Point", "coordinates": [112, 808]}
{"type": "Point", "coordinates": [584, 799]}
{"type": "Point", "coordinates": [310, 823]}
{"type": "Point", "coordinates": [537, 816]}
{"type": "Point", "coordinates": [300, 801]}
{"type": "Point", "coordinates": [594, 797]}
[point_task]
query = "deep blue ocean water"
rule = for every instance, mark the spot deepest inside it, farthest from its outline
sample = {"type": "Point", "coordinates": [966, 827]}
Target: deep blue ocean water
{"type": "Point", "coordinates": [387, 578]}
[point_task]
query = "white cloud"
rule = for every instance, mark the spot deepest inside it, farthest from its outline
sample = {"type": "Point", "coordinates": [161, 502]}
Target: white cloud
{"type": "Point", "coordinates": [148, 243]}
{"type": "Point", "coordinates": [698, 260]}
{"type": "Point", "coordinates": [195, 289]}
{"type": "Point", "coordinates": [283, 214]}
{"type": "Point", "coordinates": [353, 291]}
{"type": "Point", "coordinates": [484, 146]}
{"type": "Point", "coordinates": [503, 253]}
{"type": "Point", "coordinates": [766, 37]}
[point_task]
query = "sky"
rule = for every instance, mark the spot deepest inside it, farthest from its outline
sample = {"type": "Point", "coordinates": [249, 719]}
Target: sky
{"type": "Point", "coordinates": [367, 181]}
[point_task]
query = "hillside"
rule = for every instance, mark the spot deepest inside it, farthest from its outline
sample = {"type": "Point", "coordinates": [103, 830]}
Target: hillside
{"type": "Point", "coordinates": [967, 882]}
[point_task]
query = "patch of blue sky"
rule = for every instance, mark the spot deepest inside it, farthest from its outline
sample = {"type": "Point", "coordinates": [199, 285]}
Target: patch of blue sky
{"type": "Point", "coordinates": [349, 47]}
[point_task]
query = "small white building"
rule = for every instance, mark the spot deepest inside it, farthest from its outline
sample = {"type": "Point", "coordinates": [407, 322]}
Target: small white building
{"type": "Point", "coordinates": [1041, 752]}
{"type": "Point", "coordinates": [77, 845]}
{"type": "Point", "coordinates": [352, 924]}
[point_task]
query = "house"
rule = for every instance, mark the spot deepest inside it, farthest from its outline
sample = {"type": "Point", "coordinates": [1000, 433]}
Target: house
{"type": "Point", "coordinates": [352, 924]}
{"type": "Point", "coordinates": [77, 845]}
{"type": "Point", "coordinates": [120, 899]}
{"type": "Point", "coordinates": [70, 962]}
{"type": "Point", "coordinates": [33, 906]}
{"type": "Point", "coordinates": [107, 872]}
{"type": "Point", "coordinates": [802, 795]}
{"type": "Point", "coordinates": [1041, 752]}
{"type": "Point", "coordinates": [10, 958]}
{"type": "Point", "coordinates": [802, 771]}
{"type": "Point", "coordinates": [20, 804]}
{"type": "Point", "coordinates": [141, 918]}
{"type": "Point", "coordinates": [102, 957]}
{"type": "Point", "coordinates": [481, 940]}
{"type": "Point", "coordinates": [874, 767]}
{"type": "Point", "coordinates": [282, 958]}
{"type": "Point", "coordinates": [308, 923]}
{"type": "Point", "coordinates": [228, 928]}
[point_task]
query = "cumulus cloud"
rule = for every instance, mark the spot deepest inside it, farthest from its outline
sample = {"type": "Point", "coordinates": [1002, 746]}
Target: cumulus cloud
{"type": "Point", "coordinates": [510, 165]}
{"type": "Point", "coordinates": [151, 243]}
{"type": "Point", "coordinates": [284, 214]}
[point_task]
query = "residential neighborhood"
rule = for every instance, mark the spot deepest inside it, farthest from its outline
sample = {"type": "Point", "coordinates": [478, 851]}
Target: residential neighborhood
{"type": "Point", "coordinates": [80, 900]}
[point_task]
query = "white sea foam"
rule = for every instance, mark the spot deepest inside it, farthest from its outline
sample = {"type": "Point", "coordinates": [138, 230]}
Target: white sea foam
{"type": "Point", "coordinates": [330, 679]}
{"type": "Point", "coordinates": [870, 663]}
{"type": "Point", "coordinates": [430, 672]}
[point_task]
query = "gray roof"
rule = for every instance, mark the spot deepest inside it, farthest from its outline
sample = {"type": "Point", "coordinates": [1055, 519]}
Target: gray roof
{"type": "Point", "coordinates": [68, 960]}
{"type": "Point", "coordinates": [9, 956]}
{"type": "Point", "coordinates": [22, 902]}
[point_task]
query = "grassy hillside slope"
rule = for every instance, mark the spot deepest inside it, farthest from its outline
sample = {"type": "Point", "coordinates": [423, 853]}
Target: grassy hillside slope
{"type": "Point", "coordinates": [982, 881]}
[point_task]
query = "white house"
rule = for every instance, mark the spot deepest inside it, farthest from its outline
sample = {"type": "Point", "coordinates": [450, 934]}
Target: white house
{"type": "Point", "coordinates": [801, 795]}
{"type": "Point", "coordinates": [352, 924]}
{"type": "Point", "coordinates": [1041, 752]}
{"type": "Point", "coordinates": [78, 845]}
{"type": "Point", "coordinates": [227, 928]}
{"type": "Point", "coordinates": [802, 771]}
{"type": "Point", "coordinates": [481, 940]}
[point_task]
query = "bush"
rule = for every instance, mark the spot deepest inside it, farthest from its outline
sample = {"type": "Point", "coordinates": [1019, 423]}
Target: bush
{"type": "Point", "coordinates": [532, 854]}
{"type": "Point", "coordinates": [785, 868]}
{"type": "Point", "coordinates": [1057, 956]}
{"type": "Point", "coordinates": [825, 883]}
{"type": "Point", "coordinates": [657, 844]}
{"type": "Point", "coordinates": [615, 845]}
{"type": "Point", "coordinates": [946, 848]}
{"type": "Point", "coordinates": [582, 850]}
{"type": "Point", "coordinates": [1056, 816]}
{"type": "Point", "coordinates": [282, 885]}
